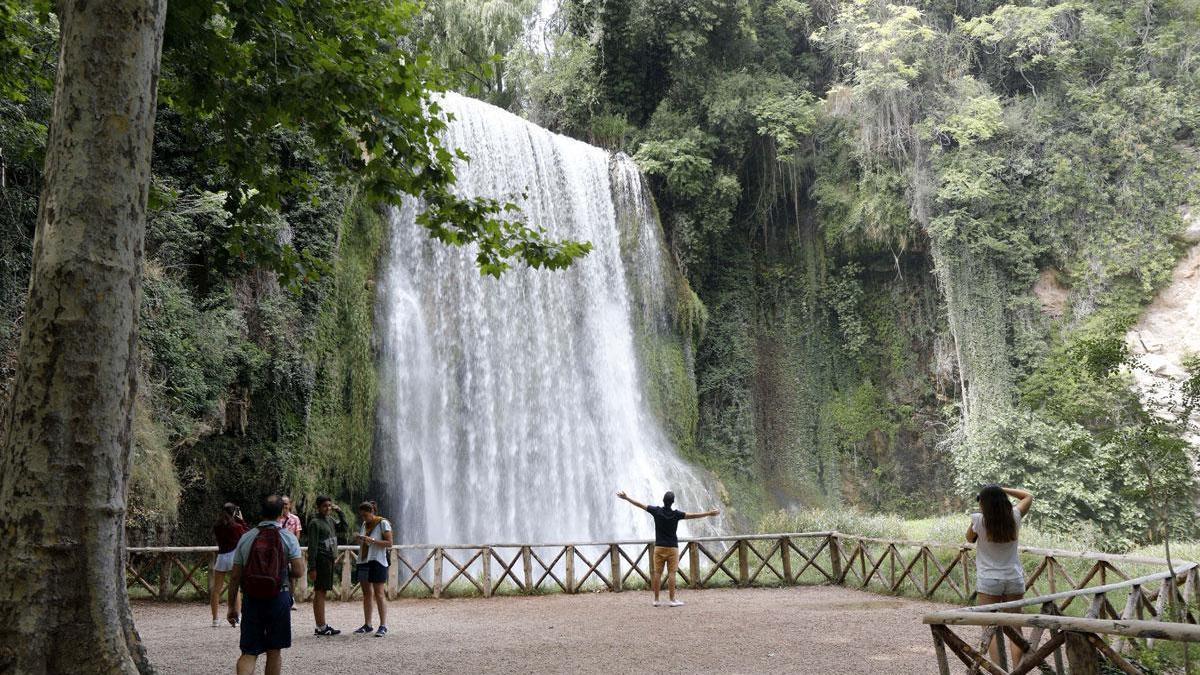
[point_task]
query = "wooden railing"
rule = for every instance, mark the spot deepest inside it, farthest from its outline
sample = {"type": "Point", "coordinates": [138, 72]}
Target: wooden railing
{"type": "Point", "coordinates": [930, 570]}
{"type": "Point", "coordinates": [1120, 619]}
{"type": "Point", "coordinates": [437, 571]}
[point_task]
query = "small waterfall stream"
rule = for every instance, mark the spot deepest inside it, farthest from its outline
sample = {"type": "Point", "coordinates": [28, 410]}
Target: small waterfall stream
{"type": "Point", "coordinates": [512, 409]}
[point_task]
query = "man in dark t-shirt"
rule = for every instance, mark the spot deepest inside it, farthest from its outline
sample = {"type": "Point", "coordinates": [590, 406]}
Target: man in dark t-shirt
{"type": "Point", "coordinates": [666, 542]}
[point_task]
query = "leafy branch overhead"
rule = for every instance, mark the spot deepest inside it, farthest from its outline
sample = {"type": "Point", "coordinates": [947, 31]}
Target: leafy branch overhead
{"type": "Point", "coordinates": [272, 92]}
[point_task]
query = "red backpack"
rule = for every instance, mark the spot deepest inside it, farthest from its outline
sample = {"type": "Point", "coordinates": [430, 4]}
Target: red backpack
{"type": "Point", "coordinates": [262, 576]}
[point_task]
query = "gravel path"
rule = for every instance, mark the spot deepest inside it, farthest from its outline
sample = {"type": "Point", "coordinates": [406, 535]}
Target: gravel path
{"type": "Point", "coordinates": [814, 629]}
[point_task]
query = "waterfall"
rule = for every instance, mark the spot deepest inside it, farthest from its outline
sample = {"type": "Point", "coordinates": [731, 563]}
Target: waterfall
{"type": "Point", "coordinates": [512, 409]}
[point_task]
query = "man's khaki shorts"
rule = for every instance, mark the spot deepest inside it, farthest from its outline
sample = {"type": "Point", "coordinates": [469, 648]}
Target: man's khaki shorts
{"type": "Point", "coordinates": [664, 554]}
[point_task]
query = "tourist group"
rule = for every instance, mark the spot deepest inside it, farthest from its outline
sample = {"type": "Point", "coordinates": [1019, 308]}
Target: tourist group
{"type": "Point", "coordinates": [264, 562]}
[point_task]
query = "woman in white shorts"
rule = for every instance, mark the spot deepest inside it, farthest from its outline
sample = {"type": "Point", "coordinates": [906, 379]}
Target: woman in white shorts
{"type": "Point", "coordinates": [228, 530]}
{"type": "Point", "coordinates": [999, 576]}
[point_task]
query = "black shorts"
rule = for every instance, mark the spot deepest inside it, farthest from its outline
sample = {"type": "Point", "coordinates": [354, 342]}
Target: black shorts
{"type": "Point", "coordinates": [266, 624]}
{"type": "Point", "coordinates": [324, 569]}
{"type": "Point", "coordinates": [372, 572]}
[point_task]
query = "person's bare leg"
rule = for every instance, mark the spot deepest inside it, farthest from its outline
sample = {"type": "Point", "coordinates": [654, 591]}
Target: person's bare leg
{"type": "Point", "coordinates": [274, 662]}
{"type": "Point", "coordinates": [367, 597]}
{"type": "Point", "coordinates": [381, 602]}
{"type": "Point", "coordinates": [672, 565]}
{"type": "Point", "coordinates": [1014, 649]}
{"type": "Point", "coordinates": [319, 608]}
{"type": "Point", "coordinates": [246, 663]}
{"type": "Point", "coordinates": [214, 592]}
{"type": "Point", "coordinates": [993, 646]}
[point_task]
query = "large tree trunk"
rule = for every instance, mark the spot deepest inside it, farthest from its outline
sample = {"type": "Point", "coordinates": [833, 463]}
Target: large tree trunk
{"type": "Point", "coordinates": [64, 464]}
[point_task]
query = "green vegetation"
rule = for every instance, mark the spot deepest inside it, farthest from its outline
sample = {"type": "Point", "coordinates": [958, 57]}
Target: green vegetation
{"type": "Point", "coordinates": [857, 197]}
{"type": "Point", "coordinates": [862, 194]}
{"type": "Point", "coordinates": [273, 123]}
{"type": "Point", "coordinates": [943, 529]}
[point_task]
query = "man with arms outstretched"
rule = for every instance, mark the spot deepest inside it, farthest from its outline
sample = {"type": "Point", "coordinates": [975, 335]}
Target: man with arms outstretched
{"type": "Point", "coordinates": [666, 542]}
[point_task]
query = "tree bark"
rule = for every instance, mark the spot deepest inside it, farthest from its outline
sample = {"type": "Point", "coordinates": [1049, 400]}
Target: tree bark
{"type": "Point", "coordinates": [65, 458]}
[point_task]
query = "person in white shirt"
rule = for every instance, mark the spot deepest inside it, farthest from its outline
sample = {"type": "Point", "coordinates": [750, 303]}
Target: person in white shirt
{"type": "Point", "coordinates": [374, 539]}
{"type": "Point", "coordinates": [999, 576]}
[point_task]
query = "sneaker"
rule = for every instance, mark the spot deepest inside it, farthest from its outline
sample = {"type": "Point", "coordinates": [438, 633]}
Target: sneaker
{"type": "Point", "coordinates": [381, 632]}
{"type": "Point", "coordinates": [657, 603]}
{"type": "Point", "coordinates": [675, 603]}
{"type": "Point", "coordinates": [216, 624]}
{"type": "Point", "coordinates": [365, 628]}
{"type": "Point", "coordinates": [327, 630]}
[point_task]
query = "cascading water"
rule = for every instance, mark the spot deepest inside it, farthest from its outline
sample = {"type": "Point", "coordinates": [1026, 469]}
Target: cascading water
{"type": "Point", "coordinates": [512, 409]}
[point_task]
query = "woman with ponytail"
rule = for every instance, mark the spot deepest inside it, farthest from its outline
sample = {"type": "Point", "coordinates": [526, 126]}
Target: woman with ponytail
{"type": "Point", "coordinates": [374, 540]}
{"type": "Point", "coordinates": [999, 576]}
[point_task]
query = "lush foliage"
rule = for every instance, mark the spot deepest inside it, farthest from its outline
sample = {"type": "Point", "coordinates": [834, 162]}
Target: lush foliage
{"type": "Point", "coordinates": [333, 83]}
{"type": "Point", "coordinates": [272, 119]}
{"type": "Point", "coordinates": [864, 193]}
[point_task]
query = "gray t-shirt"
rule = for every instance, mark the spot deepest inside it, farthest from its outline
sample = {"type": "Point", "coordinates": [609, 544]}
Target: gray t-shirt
{"type": "Point", "coordinates": [996, 560]}
{"type": "Point", "coordinates": [291, 546]}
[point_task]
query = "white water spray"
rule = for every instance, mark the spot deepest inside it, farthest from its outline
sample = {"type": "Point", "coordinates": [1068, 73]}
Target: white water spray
{"type": "Point", "coordinates": [512, 409]}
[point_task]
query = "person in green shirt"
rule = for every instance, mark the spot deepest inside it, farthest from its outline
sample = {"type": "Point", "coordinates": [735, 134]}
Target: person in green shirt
{"type": "Point", "coordinates": [323, 532]}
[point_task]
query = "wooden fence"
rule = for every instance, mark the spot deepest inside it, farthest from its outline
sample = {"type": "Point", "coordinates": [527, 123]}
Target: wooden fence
{"type": "Point", "coordinates": [926, 569]}
{"type": "Point", "coordinates": [1111, 620]}
{"type": "Point", "coordinates": [1120, 619]}
{"type": "Point", "coordinates": [484, 570]}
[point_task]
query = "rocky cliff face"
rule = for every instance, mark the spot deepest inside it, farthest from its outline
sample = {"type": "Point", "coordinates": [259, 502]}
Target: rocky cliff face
{"type": "Point", "coordinates": [1168, 332]}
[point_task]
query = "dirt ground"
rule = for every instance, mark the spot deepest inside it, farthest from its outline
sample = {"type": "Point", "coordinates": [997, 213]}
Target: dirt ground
{"type": "Point", "coordinates": [788, 630]}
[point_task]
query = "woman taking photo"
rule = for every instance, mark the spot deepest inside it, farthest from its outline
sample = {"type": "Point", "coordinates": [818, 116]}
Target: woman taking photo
{"type": "Point", "coordinates": [999, 576]}
{"type": "Point", "coordinates": [228, 530]}
{"type": "Point", "coordinates": [374, 539]}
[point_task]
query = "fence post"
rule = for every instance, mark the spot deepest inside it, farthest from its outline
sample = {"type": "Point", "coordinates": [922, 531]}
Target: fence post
{"type": "Point", "coordinates": [743, 563]}
{"type": "Point", "coordinates": [1191, 588]}
{"type": "Point", "coordinates": [570, 556]}
{"type": "Point", "coordinates": [694, 564]}
{"type": "Point", "coordinates": [487, 572]}
{"type": "Point", "coordinates": [614, 561]}
{"type": "Point", "coordinates": [925, 553]}
{"type": "Point", "coordinates": [835, 559]}
{"type": "Point", "coordinates": [344, 593]}
{"type": "Point", "coordinates": [527, 567]}
{"type": "Point", "coordinates": [1081, 658]}
{"type": "Point", "coordinates": [437, 572]}
{"type": "Point", "coordinates": [164, 576]}
{"type": "Point", "coordinates": [892, 568]}
{"type": "Point", "coordinates": [963, 563]}
{"type": "Point", "coordinates": [939, 646]}
{"type": "Point", "coordinates": [785, 543]}
{"type": "Point", "coordinates": [393, 575]}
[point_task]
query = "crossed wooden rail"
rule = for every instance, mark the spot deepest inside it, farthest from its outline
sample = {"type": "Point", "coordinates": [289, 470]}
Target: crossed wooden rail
{"type": "Point", "coordinates": [927, 569]}
{"type": "Point", "coordinates": [1102, 633]}
{"type": "Point", "coordinates": [1146, 595]}
{"type": "Point", "coordinates": [425, 569]}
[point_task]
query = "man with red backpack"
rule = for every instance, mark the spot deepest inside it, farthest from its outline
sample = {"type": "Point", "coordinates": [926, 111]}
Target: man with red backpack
{"type": "Point", "coordinates": [266, 564]}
